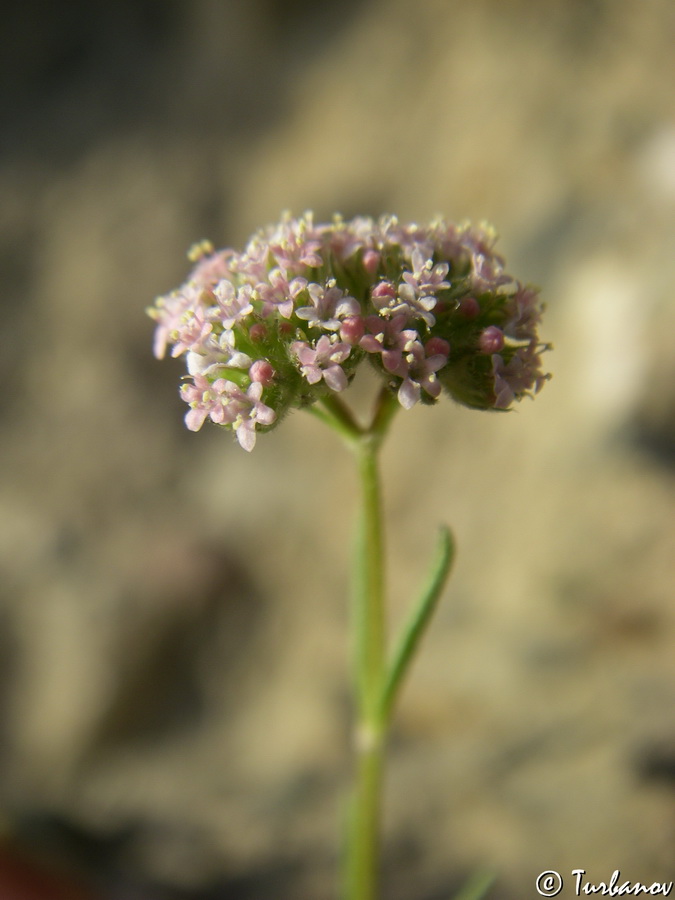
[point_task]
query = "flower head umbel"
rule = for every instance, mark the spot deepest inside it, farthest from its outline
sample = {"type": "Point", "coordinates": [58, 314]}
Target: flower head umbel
{"type": "Point", "coordinates": [286, 322]}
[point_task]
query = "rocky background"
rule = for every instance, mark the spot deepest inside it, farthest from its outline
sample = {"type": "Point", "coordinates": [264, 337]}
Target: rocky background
{"type": "Point", "coordinates": [174, 717]}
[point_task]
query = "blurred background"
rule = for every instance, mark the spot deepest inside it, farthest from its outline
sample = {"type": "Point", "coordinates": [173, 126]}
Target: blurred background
{"type": "Point", "coordinates": [174, 713]}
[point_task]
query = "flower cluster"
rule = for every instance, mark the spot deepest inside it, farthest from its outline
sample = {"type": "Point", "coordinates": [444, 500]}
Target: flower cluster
{"type": "Point", "coordinates": [287, 321]}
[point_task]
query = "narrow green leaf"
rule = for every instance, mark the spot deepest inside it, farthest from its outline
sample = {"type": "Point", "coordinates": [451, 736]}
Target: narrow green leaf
{"type": "Point", "coordinates": [477, 886]}
{"type": "Point", "coordinates": [416, 625]}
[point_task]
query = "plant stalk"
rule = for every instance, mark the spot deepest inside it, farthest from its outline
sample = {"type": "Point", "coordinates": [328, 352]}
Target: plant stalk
{"type": "Point", "coordinates": [377, 679]}
{"type": "Point", "coordinates": [363, 850]}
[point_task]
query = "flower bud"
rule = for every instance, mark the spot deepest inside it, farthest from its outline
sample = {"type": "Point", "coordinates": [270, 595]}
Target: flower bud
{"type": "Point", "coordinates": [371, 261]}
{"type": "Point", "coordinates": [384, 290]}
{"type": "Point", "coordinates": [352, 329]}
{"type": "Point", "coordinates": [469, 307]}
{"type": "Point", "coordinates": [491, 340]}
{"type": "Point", "coordinates": [257, 332]}
{"type": "Point", "coordinates": [262, 371]}
{"type": "Point", "coordinates": [436, 345]}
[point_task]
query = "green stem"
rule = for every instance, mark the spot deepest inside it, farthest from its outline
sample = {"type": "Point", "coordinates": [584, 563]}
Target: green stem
{"type": "Point", "coordinates": [368, 664]}
{"type": "Point", "coordinates": [334, 413]}
{"type": "Point", "coordinates": [363, 850]}
{"type": "Point", "coordinates": [376, 683]}
{"type": "Point", "coordinates": [363, 838]}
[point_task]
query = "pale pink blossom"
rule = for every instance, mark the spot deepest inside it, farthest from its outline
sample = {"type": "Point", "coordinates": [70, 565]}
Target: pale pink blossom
{"type": "Point", "coordinates": [329, 306]}
{"type": "Point", "coordinates": [414, 305]}
{"type": "Point", "coordinates": [323, 361]}
{"type": "Point", "coordinates": [344, 239]}
{"type": "Point", "coordinates": [426, 278]}
{"type": "Point", "coordinates": [487, 273]}
{"type": "Point", "coordinates": [233, 305]}
{"type": "Point", "coordinates": [253, 264]}
{"type": "Point", "coordinates": [207, 400]}
{"type": "Point", "coordinates": [249, 411]}
{"type": "Point", "coordinates": [392, 339]}
{"type": "Point", "coordinates": [192, 332]}
{"type": "Point", "coordinates": [226, 404]}
{"type": "Point", "coordinates": [279, 294]}
{"type": "Point", "coordinates": [211, 267]}
{"type": "Point", "coordinates": [408, 237]}
{"type": "Point", "coordinates": [523, 313]}
{"type": "Point", "coordinates": [465, 243]}
{"type": "Point", "coordinates": [169, 313]}
{"type": "Point", "coordinates": [521, 375]}
{"type": "Point", "coordinates": [421, 374]}
{"type": "Point", "coordinates": [295, 244]}
{"type": "Point", "coordinates": [216, 352]}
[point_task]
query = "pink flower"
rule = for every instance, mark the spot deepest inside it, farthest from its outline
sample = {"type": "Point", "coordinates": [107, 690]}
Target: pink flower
{"type": "Point", "coordinates": [521, 375]}
{"type": "Point", "coordinates": [226, 404]}
{"type": "Point", "coordinates": [329, 306]}
{"type": "Point", "coordinates": [414, 305]}
{"type": "Point", "coordinates": [296, 244]}
{"type": "Point", "coordinates": [421, 373]}
{"type": "Point", "coordinates": [279, 293]}
{"type": "Point", "coordinates": [426, 278]}
{"type": "Point", "coordinates": [169, 313]}
{"type": "Point", "coordinates": [192, 331]}
{"type": "Point", "coordinates": [390, 338]}
{"type": "Point", "coordinates": [435, 346]}
{"type": "Point", "coordinates": [252, 265]}
{"type": "Point", "coordinates": [488, 273]}
{"type": "Point", "coordinates": [323, 361]}
{"type": "Point", "coordinates": [217, 354]}
{"type": "Point", "coordinates": [233, 306]}
{"type": "Point", "coordinates": [206, 400]}
{"type": "Point", "coordinates": [249, 412]}
{"type": "Point", "coordinates": [345, 238]}
{"type": "Point", "coordinates": [524, 313]}
{"type": "Point", "coordinates": [416, 295]}
{"type": "Point", "coordinates": [211, 267]}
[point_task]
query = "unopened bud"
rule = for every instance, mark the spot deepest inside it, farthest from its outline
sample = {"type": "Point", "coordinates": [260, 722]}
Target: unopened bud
{"type": "Point", "coordinates": [262, 371]}
{"type": "Point", "coordinates": [257, 332]}
{"type": "Point", "coordinates": [371, 261]}
{"type": "Point", "coordinates": [352, 329]}
{"type": "Point", "coordinates": [469, 307]}
{"type": "Point", "coordinates": [491, 340]}
{"type": "Point", "coordinates": [436, 345]}
{"type": "Point", "coordinates": [384, 289]}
